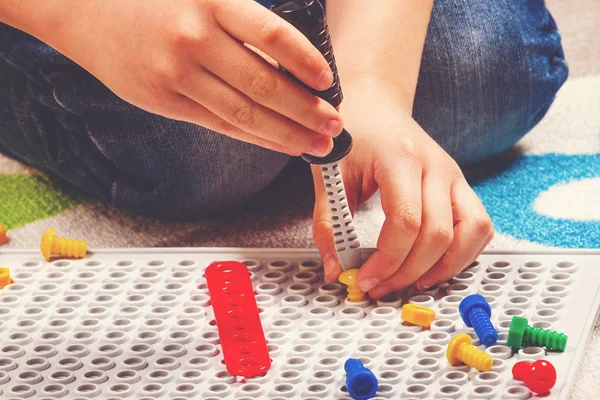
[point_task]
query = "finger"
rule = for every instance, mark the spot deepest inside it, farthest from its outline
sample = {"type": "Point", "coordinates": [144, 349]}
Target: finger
{"type": "Point", "coordinates": [401, 201]}
{"type": "Point", "coordinates": [244, 113]}
{"type": "Point", "coordinates": [243, 69]}
{"type": "Point", "coordinates": [472, 231]}
{"type": "Point", "coordinates": [323, 228]}
{"type": "Point", "coordinates": [250, 22]}
{"type": "Point", "coordinates": [188, 110]}
{"type": "Point", "coordinates": [434, 238]}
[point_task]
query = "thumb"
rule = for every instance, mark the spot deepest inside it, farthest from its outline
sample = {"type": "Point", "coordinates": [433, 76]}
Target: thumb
{"type": "Point", "coordinates": [323, 228]}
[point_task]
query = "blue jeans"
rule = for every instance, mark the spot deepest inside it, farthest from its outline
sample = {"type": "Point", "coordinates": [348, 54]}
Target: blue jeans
{"type": "Point", "coordinates": [490, 71]}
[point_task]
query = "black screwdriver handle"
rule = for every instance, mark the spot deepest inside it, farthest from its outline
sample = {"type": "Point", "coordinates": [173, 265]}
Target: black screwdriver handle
{"type": "Point", "coordinates": [309, 18]}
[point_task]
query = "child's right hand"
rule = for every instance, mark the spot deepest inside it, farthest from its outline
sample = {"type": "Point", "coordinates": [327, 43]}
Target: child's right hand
{"type": "Point", "coordinates": [186, 60]}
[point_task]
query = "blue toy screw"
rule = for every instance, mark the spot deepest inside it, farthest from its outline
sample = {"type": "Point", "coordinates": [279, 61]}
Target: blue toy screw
{"type": "Point", "coordinates": [476, 313]}
{"type": "Point", "coordinates": [360, 381]}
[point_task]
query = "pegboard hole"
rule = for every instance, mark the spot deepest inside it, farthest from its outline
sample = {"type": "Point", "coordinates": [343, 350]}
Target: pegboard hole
{"type": "Point", "coordinates": [518, 390]}
{"type": "Point", "coordinates": [416, 389]}
{"type": "Point", "coordinates": [483, 389]}
{"type": "Point", "coordinates": [455, 376]}
{"type": "Point", "coordinates": [432, 348]}
{"type": "Point", "coordinates": [87, 388]}
{"type": "Point", "coordinates": [565, 264]}
{"type": "Point", "coordinates": [54, 388]}
{"type": "Point", "coordinates": [488, 376]}
{"type": "Point", "coordinates": [31, 264]}
{"type": "Point", "coordinates": [422, 375]}
{"type": "Point", "coordinates": [395, 362]}
{"type": "Point", "coordinates": [152, 388]}
{"type": "Point", "coordinates": [406, 336]}
{"type": "Point", "coordinates": [501, 264]}
{"type": "Point", "coordinates": [374, 336]}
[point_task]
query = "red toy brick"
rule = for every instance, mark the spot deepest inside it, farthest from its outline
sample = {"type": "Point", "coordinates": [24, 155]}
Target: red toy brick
{"type": "Point", "coordinates": [238, 322]}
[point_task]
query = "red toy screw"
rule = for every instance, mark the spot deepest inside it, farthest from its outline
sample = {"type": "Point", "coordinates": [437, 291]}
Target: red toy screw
{"type": "Point", "coordinates": [539, 376]}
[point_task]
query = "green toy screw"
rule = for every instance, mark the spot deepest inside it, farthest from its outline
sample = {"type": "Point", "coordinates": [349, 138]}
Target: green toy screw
{"type": "Point", "coordinates": [520, 334]}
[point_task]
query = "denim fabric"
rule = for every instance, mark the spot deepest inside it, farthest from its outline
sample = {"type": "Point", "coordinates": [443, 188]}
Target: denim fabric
{"type": "Point", "coordinates": [489, 72]}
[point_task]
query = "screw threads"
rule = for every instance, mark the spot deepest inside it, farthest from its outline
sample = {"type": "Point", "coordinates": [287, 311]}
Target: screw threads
{"type": "Point", "coordinates": [69, 247]}
{"type": "Point", "coordinates": [483, 326]}
{"type": "Point", "coordinates": [352, 366]}
{"type": "Point", "coordinates": [355, 294]}
{"type": "Point", "coordinates": [348, 278]}
{"type": "Point", "coordinates": [545, 338]}
{"type": "Point", "coordinates": [475, 358]}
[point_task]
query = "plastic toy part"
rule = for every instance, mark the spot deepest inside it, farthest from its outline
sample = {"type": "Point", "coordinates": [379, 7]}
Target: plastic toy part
{"type": "Point", "coordinates": [360, 381]}
{"type": "Point", "coordinates": [347, 244]}
{"type": "Point", "coordinates": [418, 315]}
{"type": "Point", "coordinates": [52, 245]}
{"type": "Point", "coordinates": [3, 238]}
{"type": "Point", "coordinates": [4, 277]}
{"type": "Point", "coordinates": [309, 18]}
{"type": "Point", "coordinates": [461, 349]}
{"type": "Point", "coordinates": [476, 312]}
{"type": "Point", "coordinates": [348, 278]}
{"type": "Point", "coordinates": [238, 322]}
{"type": "Point", "coordinates": [520, 334]}
{"type": "Point", "coordinates": [539, 376]}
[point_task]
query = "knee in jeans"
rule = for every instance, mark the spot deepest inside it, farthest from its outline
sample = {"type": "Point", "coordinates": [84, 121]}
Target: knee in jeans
{"type": "Point", "coordinates": [499, 81]}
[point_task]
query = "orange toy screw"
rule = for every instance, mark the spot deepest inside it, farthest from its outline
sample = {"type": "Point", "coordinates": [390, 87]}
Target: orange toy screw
{"type": "Point", "coordinates": [4, 277]}
{"type": "Point", "coordinates": [348, 278]}
{"type": "Point", "coordinates": [461, 349]}
{"type": "Point", "coordinates": [61, 246]}
{"type": "Point", "coordinates": [3, 238]}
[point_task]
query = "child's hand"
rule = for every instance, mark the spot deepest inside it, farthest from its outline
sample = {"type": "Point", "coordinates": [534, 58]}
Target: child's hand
{"type": "Point", "coordinates": [435, 224]}
{"type": "Point", "coordinates": [186, 60]}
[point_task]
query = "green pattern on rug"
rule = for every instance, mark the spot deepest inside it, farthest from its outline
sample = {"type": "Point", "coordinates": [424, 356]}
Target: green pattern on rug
{"type": "Point", "coordinates": [28, 198]}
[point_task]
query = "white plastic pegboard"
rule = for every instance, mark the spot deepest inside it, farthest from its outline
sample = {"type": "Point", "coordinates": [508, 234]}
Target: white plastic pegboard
{"type": "Point", "coordinates": [137, 324]}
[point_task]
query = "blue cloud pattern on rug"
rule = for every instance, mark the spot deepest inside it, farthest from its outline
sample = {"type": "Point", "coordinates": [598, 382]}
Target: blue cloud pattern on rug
{"type": "Point", "coordinates": [508, 187]}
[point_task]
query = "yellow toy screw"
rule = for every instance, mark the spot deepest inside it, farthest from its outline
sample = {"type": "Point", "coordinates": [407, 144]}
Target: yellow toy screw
{"type": "Point", "coordinates": [4, 277]}
{"type": "Point", "coordinates": [348, 278]}
{"type": "Point", "coordinates": [461, 349]}
{"type": "Point", "coordinates": [418, 315]}
{"type": "Point", "coordinates": [61, 246]}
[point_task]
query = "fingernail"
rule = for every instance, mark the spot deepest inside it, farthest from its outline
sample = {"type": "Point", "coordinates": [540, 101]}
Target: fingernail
{"type": "Point", "coordinates": [325, 79]}
{"type": "Point", "coordinates": [329, 264]}
{"type": "Point", "coordinates": [367, 284]}
{"type": "Point", "coordinates": [331, 128]}
{"type": "Point", "coordinates": [424, 284]}
{"type": "Point", "coordinates": [320, 147]}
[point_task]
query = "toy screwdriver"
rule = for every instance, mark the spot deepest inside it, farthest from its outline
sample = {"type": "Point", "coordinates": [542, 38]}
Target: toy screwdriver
{"type": "Point", "coordinates": [308, 17]}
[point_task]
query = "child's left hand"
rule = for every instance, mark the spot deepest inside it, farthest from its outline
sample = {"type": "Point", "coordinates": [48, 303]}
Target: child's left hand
{"type": "Point", "coordinates": [435, 224]}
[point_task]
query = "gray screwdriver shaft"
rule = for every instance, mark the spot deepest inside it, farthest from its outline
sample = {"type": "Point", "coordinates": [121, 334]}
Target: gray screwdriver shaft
{"type": "Point", "coordinates": [344, 234]}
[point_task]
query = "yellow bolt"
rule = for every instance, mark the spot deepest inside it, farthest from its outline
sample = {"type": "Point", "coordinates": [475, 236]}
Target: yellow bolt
{"type": "Point", "coordinates": [348, 278]}
{"type": "Point", "coordinates": [4, 277]}
{"type": "Point", "coordinates": [461, 349]}
{"type": "Point", "coordinates": [418, 315]}
{"type": "Point", "coordinates": [61, 246]}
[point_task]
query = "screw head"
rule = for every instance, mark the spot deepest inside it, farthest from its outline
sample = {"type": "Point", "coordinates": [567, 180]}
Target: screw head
{"type": "Point", "coordinates": [361, 383]}
{"type": "Point", "coordinates": [516, 332]}
{"type": "Point", "coordinates": [469, 303]}
{"type": "Point", "coordinates": [454, 346]}
{"type": "Point", "coordinates": [348, 277]}
{"type": "Point", "coordinates": [46, 243]}
{"type": "Point", "coordinates": [521, 370]}
{"type": "Point", "coordinates": [542, 377]}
